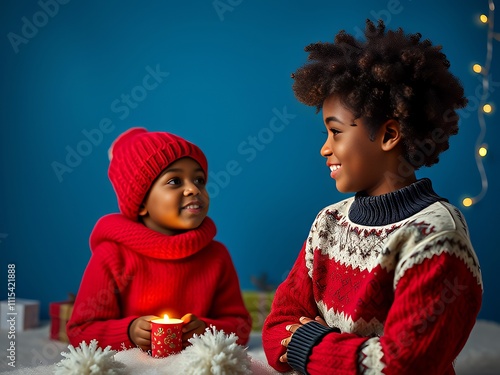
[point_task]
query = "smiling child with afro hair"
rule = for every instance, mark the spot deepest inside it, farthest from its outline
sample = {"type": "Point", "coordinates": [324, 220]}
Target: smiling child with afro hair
{"type": "Point", "coordinates": [387, 280]}
{"type": "Point", "coordinates": [389, 75]}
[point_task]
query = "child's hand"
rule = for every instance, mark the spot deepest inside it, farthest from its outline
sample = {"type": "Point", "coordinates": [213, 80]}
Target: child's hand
{"type": "Point", "coordinates": [140, 331]}
{"type": "Point", "coordinates": [293, 327]}
{"type": "Point", "coordinates": [192, 325]}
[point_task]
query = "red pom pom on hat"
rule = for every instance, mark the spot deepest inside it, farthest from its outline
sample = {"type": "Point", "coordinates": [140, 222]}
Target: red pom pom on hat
{"type": "Point", "coordinates": [137, 158]}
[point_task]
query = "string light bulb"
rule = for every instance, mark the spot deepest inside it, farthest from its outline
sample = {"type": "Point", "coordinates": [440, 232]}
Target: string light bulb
{"type": "Point", "coordinates": [467, 202]}
{"type": "Point", "coordinates": [484, 107]}
{"type": "Point", "coordinates": [477, 68]}
{"type": "Point", "coordinates": [483, 151]}
{"type": "Point", "coordinates": [487, 108]}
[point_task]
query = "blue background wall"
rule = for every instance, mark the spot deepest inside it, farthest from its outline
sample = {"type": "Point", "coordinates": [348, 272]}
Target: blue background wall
{"type": "Point", "coordinates": [228, 77]}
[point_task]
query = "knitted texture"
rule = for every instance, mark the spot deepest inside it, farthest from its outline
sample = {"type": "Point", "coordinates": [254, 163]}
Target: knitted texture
{"type": "Point", "coordinates": [302, 342]}
{"type": "Point", "coordinates": [137, 158]}
{"type": "Point", "coordinates": [135, 271]}
{"type": "Point", "coordinates": [405, 295]}
{"type": "Point", "coordinates": [394, 206]}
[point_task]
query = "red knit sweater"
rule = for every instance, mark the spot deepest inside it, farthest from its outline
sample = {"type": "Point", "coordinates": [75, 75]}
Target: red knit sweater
{"type": "Point", "coordinates": [135, 271]}
{"type": "Point", "coordinates": [400, 296]}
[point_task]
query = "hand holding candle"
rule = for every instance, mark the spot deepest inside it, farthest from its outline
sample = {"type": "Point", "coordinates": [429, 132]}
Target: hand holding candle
{"type": "Point", "coordinates": [192, 326]}
{"type": "Point", "coordinates": [166, 336]}
{"type": "Point", "coordinates": [140, 331]}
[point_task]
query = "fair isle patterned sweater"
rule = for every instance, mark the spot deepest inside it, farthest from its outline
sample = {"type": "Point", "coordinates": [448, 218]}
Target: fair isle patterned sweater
{"type": "Point", "coordinates": [396, 279]}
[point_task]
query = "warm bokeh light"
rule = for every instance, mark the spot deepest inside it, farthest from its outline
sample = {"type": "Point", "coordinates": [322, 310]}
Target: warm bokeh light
{"type": "Point", "coordinates": [483, 18]}
{"type": "Point", "coordinates": [487, 108]}
{"type": "Point", "coordinates": [477, 68]}
{"type": "Point", "coordinates": [482, 151]}
{"type": "Point", "coordinates": [467, 202]}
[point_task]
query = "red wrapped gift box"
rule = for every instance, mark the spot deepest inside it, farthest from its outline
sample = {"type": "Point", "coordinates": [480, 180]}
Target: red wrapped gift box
{"type": "Point", "coordinates": [60, 312]}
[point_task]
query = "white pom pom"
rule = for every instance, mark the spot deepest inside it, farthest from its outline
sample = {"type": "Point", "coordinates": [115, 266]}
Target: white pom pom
{"type": "Point", "coordinates": [89, 360]}
{"type": "Point", "coordinates": [215, 353]}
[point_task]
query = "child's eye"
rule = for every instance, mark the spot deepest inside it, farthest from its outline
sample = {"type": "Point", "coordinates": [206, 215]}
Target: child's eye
{"type": "Point", "coordinates": [332, 130]}
{"type": "Point", "coordinates": [199, 181]}
{"type": "Point", "coordinates": [174, 181]}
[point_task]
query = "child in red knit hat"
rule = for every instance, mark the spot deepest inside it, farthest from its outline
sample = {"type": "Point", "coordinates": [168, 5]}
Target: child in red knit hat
{"type": "Point", "coordinates": [158, 255]}
{"type": "Point", "coordinates": [387, 280]}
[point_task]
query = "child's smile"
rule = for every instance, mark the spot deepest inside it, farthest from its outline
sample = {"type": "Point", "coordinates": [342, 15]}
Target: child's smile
{"type": "Point", "coordinates": [193, 207]}
{"type": "Point", "coordinates": [334, 168]}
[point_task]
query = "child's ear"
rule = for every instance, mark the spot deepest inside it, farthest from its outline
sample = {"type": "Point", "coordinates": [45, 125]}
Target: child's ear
{"type": "Point", "coordinates": [142, 210]}
{"type": "Point", "coordinates": [392, 134]}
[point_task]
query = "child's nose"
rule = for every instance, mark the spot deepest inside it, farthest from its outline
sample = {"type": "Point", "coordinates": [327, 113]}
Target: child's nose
{"type": "Point", "coordinates": [191, 189]}
{"type": "Point", "coordinates": [325, 150]}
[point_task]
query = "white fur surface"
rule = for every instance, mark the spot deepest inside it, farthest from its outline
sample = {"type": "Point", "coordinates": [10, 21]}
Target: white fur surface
{"type": "Point", "coordinates": [36, 354]}
{"type": "Point", "coordinates": [140, 363]}
{"type": "Point", "coordinates": [213, 353]}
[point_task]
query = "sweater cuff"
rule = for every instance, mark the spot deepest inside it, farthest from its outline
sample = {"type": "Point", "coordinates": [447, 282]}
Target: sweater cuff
{"type": "Point", "coordinates": [302, 343]}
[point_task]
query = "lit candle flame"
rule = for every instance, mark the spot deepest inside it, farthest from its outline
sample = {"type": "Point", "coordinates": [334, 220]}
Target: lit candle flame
{"type": "Point", "coordinates": [165, 317]}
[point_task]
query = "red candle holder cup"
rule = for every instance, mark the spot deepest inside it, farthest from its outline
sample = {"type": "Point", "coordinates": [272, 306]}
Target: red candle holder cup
{"type": "Point", "coordinates": [166, 337]}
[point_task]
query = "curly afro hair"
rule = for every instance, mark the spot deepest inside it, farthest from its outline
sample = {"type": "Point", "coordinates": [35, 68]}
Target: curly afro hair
{"type": "Point", "coordinates": [390, 75]}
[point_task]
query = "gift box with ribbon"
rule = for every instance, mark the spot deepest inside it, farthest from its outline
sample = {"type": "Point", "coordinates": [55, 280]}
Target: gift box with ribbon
{"type": "Point", "coordinates": [60, 312]}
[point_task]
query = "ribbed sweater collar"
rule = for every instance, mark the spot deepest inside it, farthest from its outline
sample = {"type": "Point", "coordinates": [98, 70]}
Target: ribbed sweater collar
{"type": "Point", "coordinates": [139, 238]}
{"type": "Point", "coordinates": [394, 206]}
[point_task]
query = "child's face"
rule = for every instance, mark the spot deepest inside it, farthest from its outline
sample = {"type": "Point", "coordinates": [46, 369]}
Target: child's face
{"type": "Point", "coordinates": [356, 162]}
{"type": "Point", "coordinates": [177, 200]}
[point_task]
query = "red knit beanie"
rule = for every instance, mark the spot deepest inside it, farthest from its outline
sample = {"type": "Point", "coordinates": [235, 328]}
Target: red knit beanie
{"type": "Point", "coordinates": [137, 157]}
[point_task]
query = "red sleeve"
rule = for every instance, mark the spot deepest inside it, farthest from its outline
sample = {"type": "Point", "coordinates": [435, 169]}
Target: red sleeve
{"type": "Point", "coordinates": [96, 312]}
{"type": "Point", "coordinates": [435, 305]}
{"type": "Point", "coordinates": [228, 311]}
{"type": "Point", "coordinates": [293, 299]}
{"type": "Point", "coordinates": [434, 310]}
